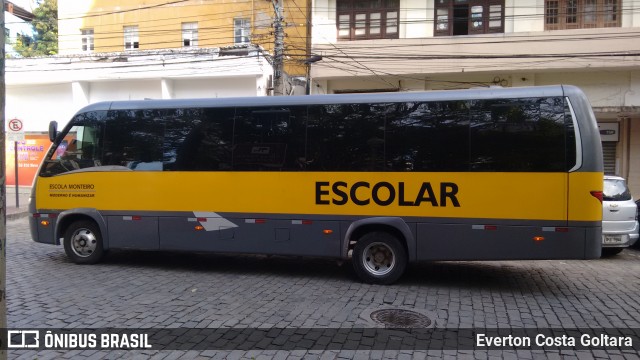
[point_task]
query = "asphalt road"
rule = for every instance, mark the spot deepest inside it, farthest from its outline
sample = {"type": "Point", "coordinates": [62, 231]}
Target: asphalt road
{"type": "Point", "coordinates": [158, 291]}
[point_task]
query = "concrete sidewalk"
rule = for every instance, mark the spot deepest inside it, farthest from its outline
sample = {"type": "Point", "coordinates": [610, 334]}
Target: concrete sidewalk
{"type": "Point", "coordinates": [16, 211]}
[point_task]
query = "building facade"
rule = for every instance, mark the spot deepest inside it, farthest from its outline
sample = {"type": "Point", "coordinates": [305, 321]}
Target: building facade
{"type": "Point", "coordinates": [54, 88]}
{"type": "Point", "coordinates": [111, 26]}
{"type": "Point", "coordinates": [156, 49]}
{"type": "Point", "coordinates": [409, 45]}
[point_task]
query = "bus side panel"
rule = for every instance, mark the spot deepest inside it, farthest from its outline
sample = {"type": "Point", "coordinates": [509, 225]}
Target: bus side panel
{"type": "Point", "coordinates": [180, 233]}
{"type": "Point", "coordinates": [497, 242]}
{"type": "Point", "coordinates": [133, 232]}
{"type": "Point", "coordinates": [585, 209]}
{"type": "Point", "coordinates": [583, 206]}
{"type": "Point", "coordinates": [251, 235]}
{"type": "Point", "coordinates": [593, 242]}
{"type": "Point", "coordinates": [41, 233]}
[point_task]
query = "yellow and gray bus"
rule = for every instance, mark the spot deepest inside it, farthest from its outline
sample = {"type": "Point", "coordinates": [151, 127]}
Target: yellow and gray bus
{"type": "Point", "coordinates": [381, 179]}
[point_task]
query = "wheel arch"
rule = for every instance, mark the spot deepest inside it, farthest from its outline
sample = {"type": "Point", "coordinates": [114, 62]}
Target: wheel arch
{"type": "Point", "coordinates": [394, 225]}
{"type": "Point", "coordinates": [68, 217]}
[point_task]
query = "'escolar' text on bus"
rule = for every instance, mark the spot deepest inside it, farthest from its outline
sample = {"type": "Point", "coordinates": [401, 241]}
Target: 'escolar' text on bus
{"type": "Point", "coordinates": [384, 193]}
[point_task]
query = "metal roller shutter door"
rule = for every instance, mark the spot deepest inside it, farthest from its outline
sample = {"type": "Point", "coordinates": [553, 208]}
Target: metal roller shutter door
{"type": "Point", "coordinates": [609, 157]}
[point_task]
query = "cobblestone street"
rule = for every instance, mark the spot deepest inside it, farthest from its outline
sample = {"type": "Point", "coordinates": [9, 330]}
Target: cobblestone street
{"type": "Point", "coordinates": [171, 290]}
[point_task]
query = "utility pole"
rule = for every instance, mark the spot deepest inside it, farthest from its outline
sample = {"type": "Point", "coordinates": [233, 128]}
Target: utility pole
{"type": "Point", "coordinates": [3, 194]}
{"type": "Point", "coordinates": [278, 48]}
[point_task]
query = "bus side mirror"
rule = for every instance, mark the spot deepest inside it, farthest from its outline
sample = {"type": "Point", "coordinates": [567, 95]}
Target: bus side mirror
{"type": "Point", "coordinates": [53, 130]}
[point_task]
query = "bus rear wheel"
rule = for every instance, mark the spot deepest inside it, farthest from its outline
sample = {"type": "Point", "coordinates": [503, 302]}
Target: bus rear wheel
{"type": "Point", "coordinates": [83, 242]}
{"type": "Point", "coordinates": [379, 258]}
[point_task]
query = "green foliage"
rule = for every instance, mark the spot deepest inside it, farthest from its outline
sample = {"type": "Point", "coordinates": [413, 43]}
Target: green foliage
{"type": "Point", "coordinates": [45, 25]}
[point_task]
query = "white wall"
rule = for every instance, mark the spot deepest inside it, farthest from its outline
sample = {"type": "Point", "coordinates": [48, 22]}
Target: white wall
{"type": "Point", "coordinates": [55, 88]}
{"type": "Point", "coordinates": [125, 90]}
{"type": "Point", "coordinates": [416, 19]}
{"type": "Point", "coordinates": [603, 88]}
{"type": "Point", "coordinates": [324, 21]}
{"type": "Point", "coordinates": [215, 87]}
{"type": "Point", "coordinates": [631, 13]}
{"type": "Point", "coordinates": [37, 105]}
{"type": "Point", "coordinates": [524, 16]}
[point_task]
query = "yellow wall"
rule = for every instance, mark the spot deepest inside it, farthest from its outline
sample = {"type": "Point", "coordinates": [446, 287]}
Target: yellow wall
{"type": "Point", "coordinates": [160, 24]}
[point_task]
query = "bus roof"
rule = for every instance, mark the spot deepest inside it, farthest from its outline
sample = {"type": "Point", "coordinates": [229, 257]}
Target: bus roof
{"type": "Point", "coordinates": [441, 95]}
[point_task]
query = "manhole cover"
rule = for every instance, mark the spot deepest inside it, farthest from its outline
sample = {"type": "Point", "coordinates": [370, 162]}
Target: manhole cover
{"type": "Point", "coordinates": [397, 318]}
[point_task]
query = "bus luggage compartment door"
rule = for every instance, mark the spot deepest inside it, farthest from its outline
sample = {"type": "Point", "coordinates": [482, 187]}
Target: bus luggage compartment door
{"type": "Point", "coordinates": [133, 232]}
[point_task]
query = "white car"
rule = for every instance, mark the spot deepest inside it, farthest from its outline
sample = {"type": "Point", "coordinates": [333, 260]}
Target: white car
{"type": "Point", "coordinates": [619, 216]}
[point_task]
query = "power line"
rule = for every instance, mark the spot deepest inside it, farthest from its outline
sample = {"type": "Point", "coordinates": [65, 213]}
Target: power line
{"type": "Point", "coordinates": [623, 10]}
{"type": "Point", "coordinates": [157, 32]}
{"type": "Point", "coordinates": [358, 56]}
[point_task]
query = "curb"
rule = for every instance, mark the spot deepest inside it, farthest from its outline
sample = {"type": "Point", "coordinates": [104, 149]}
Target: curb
{"type": "Point", "coordinates": [16, 216]}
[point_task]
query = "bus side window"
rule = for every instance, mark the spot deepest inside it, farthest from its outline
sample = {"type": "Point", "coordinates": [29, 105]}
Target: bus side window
{"type": "Point", "coordinates": [269, 139]}
{"type": "Point", "coordinates": [133, 139]}
{"type": "Point", "coordinates": [518, 135]}
{"type": "Point", "coordinates": [346, 137]}
{"type": "Point", "coordinates": [427, 136]}
{"type": "Point", "coordinates": [198, 139]}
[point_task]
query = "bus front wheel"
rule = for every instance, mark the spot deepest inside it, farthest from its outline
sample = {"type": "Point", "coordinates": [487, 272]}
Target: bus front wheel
{"type": "Point", "coordinates": [379, 258]}
{"type": "Point", "coordinates": [83, 242]}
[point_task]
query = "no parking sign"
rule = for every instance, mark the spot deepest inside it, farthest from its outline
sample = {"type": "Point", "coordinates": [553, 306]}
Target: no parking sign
{"type": "Point", "coordinates": [16, 132]}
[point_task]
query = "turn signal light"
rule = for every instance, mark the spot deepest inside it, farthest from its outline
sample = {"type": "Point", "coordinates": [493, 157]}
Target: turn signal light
{"type": "Point", "coordinates": [199, 227]}
{"type": "Point", "coordinates": [538, 238]}
{"type": "Point", "coordinates": [327, 231]}
{"type": "Point", "coordinates": [44, 223]}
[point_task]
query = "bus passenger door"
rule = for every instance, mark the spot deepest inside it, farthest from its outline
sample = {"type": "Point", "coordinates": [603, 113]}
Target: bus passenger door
{"type": "Point", "coordinates": [133, 232]}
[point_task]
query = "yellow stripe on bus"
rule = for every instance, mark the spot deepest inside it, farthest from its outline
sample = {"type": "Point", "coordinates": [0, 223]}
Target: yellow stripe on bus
{"type": "Point", "coordinates": [530, 196]}
{"type": "Point", "coordinates": [583, 206]}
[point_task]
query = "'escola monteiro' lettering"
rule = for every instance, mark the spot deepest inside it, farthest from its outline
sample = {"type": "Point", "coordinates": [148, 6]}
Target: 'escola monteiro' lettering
{"type": "Point", "coordinates": [384, 193]}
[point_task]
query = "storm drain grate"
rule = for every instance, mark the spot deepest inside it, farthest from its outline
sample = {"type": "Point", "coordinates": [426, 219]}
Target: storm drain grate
{"type": "Point", "coordinates": [398, 318]}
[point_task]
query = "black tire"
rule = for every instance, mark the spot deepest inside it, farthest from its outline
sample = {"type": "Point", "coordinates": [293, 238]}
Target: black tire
{"type": "Point", "coordinates": [83, 242]}
{"type": "Point", "coordinates": [607, 252]}
{"type": "Point", "coordinates": [379, 258]}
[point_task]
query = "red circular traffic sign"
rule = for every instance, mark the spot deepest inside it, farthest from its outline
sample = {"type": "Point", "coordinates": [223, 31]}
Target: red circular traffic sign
{"type": "Point", "coordinates": [15, 125]}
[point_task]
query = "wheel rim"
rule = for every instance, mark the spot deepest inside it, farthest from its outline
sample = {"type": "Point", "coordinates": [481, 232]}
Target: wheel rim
{"type": "Point", "coordinates": [378, 258]}
{"type": "Point", "coordinates": [83, 242]}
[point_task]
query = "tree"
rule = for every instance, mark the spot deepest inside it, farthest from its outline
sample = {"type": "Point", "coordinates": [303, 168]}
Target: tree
{"type": "Point", "coordinates": [45, 25]}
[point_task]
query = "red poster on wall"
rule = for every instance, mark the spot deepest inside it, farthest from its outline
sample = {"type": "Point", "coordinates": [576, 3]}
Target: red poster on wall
{"type": "Point", "coordinates": [31, 151]}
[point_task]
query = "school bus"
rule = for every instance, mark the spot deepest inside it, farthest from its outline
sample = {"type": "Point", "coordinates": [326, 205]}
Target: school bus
{"type": "Point", "coordinates": [381, 179]}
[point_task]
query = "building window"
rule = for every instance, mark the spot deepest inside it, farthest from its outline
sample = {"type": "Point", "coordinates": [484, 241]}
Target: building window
{"type": "Point", "coordinates": [87, 39]}
{"type": "Point", "coordinates": [581, 14]}
{"type": "Point", "coordinates": [131, 39]}
{"type": "Point", "coordinates": [468, 17]}
{"type": "Point", "coordinates": [190, 34]}
{"type": "Point", "coordinates": [361, 19]}
{"type": "Point", "coordinates": [241, 31]}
